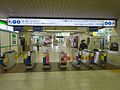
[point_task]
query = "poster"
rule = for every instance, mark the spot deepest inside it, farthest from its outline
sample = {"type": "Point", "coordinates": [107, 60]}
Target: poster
{"type": "Point", "coordinates": [13, 39]}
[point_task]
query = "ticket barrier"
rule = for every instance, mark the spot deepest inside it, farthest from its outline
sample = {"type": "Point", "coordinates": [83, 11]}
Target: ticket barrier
{"type": "Point", "coordinates": [103, 58]}
{"type": "Point", "coordinates": [91, 58]}
{"type": "Point", "coordinates": [46, 63]}
{"type": "Point", "coordinates": [1, 65]}
{"type": "Point", "coordinates": [76, 58]}
{"type": "Point", "coordinates": [63, 60]}
{"type": "Point", "coordinates": [100, 58]}
{"type": "Point", "coordinates": [88, 58]}
{"type": "Point", "coordinates": [30, 59]}
{"type": "Point", "coordinates": [8, 60]}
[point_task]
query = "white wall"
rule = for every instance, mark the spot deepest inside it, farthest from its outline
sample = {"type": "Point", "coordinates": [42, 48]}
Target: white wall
{"type": "Point", "coordinates": [117, 31]}
{"type": "Point", "coordinates": [5, 42]}
{"type": "Point", "coordinates": [4, 37]}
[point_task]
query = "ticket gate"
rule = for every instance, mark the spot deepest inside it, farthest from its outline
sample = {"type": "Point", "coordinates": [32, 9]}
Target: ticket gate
{"type": "Point", "coordinates": [87, 58]}
{"type": "Point", "coordinates": [8, 60]}
{"type": "Point", "coordinates": [29, 59]}
{"type": "Point", "coordinates": [63, 60]}
{"type": "Point", "coordinates": [46, 63]}
{"type": "Point", "coordinates": [76, 58]}
{"type": "Point", "coordinates": [100, 58]}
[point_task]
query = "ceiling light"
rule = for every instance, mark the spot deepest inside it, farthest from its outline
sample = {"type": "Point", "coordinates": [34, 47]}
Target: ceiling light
{"type": "Point", "coordinates": [53, 30]}
{"type": "Point", "coordinates": [3, 19]}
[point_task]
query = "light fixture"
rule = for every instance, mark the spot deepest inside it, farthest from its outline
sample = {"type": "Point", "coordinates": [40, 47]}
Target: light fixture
{"type": "Point", "coordinates": [61, 30]}
{"type": "Point", "coordinates": [3, 19]}
{"type": "Point", "coordinates": [53, 30]}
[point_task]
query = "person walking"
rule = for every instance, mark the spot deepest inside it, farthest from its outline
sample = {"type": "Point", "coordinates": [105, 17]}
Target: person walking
{"type": "Point", "coordinates": [37, 45]}
{"type": "Point", "coordinates": [83, 45]}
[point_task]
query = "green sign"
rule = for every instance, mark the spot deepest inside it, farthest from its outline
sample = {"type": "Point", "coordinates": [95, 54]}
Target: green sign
{"type": "Point", "coordinates": [2, 22]}
{"type": "Point", "coordinates": [14, 39]}
{"type": "Point", "coordinates": [14, 35]}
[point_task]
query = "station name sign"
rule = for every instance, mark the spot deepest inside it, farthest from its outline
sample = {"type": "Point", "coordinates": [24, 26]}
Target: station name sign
{"type": "Point", "coordinates": [60, 22]}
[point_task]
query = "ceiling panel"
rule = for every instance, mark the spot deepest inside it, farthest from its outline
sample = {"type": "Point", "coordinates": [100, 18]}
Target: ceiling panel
{"type": "Point", "coordinates": [60, 8]}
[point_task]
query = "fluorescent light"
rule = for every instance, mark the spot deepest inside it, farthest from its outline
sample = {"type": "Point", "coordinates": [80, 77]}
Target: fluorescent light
{"type": "Point", "coordinates": [70, 30]}
{"type": "Point", "coordinates": [3, 19]}
{"type": "Point", "coordinates": [61, 30]}
{"type": "Point", "coordinates": [53, 30]}
{"type": "Point", "coordinates": [9, 28]}
{"type": "Point", "coordinates": [3, 27]}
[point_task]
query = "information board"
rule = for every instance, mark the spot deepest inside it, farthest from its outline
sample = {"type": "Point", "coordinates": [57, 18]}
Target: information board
{"type": "Point", "coordinates": [60, 22]}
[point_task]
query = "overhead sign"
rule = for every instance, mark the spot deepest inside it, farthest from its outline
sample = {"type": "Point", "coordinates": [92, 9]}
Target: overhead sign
{"type": "Point", "coordinates": [59, 22]}
{"type": "Point", "coordinates": [37, 28]}
{"type": "Point", "coordinates": [4, 26]}
{"type": "Point", "coordinates": [18, 28]}
{"type": "Point", "coordinates": [93, 29]}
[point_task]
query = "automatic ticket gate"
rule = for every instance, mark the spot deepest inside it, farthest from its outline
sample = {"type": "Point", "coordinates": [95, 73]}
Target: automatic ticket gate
{"type": "Point", "coordinates": [87, 57]}
{"type": "Point", "coordinates": [63, 60]}
{"type": "Point", "coordinates": [90, 57]}
{"type": "Point", "coordinates": [29, 59]}
{"type": "Point", "coordinates": [76, 58]}
{"type": "Point", "coordinates": [46, 62]}
{"type": "Point", "coordinates": [100, 58]}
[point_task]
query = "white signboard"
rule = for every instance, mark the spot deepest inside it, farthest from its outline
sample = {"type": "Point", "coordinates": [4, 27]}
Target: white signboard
{"type": "Point", "coordinates": [59, 22]}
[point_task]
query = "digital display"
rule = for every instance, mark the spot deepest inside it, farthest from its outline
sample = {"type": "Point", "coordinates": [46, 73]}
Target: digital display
{"type": "Point", "coordinates": [60, 22]}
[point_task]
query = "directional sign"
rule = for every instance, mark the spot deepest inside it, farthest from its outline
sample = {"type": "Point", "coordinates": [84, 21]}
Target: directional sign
{"type": "Point", "coordinates": [18, 28]}
{"type": "Point", "coordinates": [59, 22]}
{"type": "Point", "coordinates": [37, 28]}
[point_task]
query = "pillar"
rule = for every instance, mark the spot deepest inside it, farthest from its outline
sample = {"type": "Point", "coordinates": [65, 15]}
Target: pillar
{"type": "Point", "coordinates": [27, 38]}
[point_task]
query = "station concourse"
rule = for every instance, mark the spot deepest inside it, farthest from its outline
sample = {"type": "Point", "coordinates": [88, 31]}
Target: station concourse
{"type": "Point", "coordinates": [59, 45]}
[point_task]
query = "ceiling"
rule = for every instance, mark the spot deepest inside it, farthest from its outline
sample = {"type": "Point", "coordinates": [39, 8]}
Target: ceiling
{"type": "Point", "coordinates": [60, 8]}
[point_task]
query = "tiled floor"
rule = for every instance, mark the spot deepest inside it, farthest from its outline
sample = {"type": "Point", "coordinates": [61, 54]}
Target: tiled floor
{"type": "Point", "coordinates": [69, 80]}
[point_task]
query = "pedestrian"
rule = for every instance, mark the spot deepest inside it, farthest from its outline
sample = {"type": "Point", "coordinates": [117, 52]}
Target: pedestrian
{"type": "Point", "coordinates": [83, 45]}
{"type": "Point", "coordinates": [37, 45]}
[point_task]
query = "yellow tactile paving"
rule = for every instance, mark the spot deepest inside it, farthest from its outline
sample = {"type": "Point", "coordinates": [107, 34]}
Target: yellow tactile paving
{"type": "Point", "coordinates": [116, 71]}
